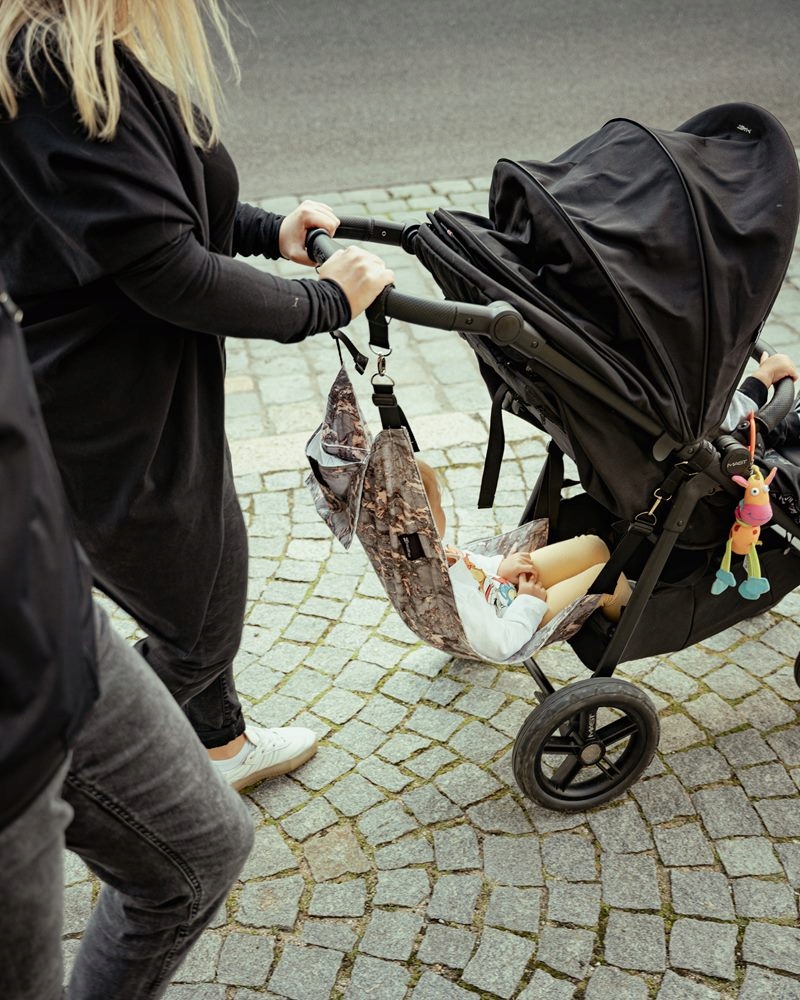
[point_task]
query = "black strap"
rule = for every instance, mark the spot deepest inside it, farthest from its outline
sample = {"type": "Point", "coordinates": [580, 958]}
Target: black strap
{"type": "Point", "coordinates": [392, 416]}
{"type": "Point", "coordinates": [549, 486]}
{"type": "Point", "coordinates": [359, 360]}
{"type": "Point", "coordinates": [641, 528]}
{"type": "Point", "coordinates": [495, 447]}
{"type": "Point", "coordinates": [377, 322]}
{"type": "Point", "coordinates": [606, 580]}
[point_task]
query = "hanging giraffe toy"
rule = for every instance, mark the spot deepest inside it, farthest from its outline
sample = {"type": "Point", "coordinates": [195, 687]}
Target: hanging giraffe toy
{"type": "Point", "coordinates": [752, 512]}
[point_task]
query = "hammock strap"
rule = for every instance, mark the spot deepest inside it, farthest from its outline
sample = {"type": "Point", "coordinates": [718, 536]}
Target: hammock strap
{"type": "Point", "coordinates": [495, 447]}
{"type": "Point", "coordinates": [359, 360]}
{"type": "Point", "coordinates": [549, 485]}
{"type": "Point", "coordinates": [391, 413]}
{"type": "Point", "coordinates": [606, 580]}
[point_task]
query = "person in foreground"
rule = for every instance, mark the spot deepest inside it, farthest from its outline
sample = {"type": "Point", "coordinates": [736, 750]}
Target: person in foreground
{"type": "Point", "coordinates": [94, 754]}
{"type": "Point", "coordinates": [119, 224]}
{"type": "Point", "coordinates": [502, 601]}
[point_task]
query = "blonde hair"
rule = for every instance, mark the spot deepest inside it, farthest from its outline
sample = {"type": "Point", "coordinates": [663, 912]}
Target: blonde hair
{"type": "Point", "coordinates": [430, 482]}
{"type": "Point", "coordinates": [77, 38]}
{"type": "Point", "coordinates": [433, 491]}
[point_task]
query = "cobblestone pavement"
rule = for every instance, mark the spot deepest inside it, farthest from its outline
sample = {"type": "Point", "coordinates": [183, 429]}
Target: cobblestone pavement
{"type": "Point", "coordinates": [402, 861]}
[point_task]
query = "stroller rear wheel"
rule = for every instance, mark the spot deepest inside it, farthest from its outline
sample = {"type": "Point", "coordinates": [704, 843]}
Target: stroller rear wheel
{"type": "Point", "coordinates": [585, 744]}
{"type": "Point", "coordinates": [797, 670]}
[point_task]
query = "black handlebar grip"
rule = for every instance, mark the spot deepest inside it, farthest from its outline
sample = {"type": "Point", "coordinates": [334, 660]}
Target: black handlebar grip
{"type": "Point", "coordinates": [498, 319]}
{"type": "Point", "coordinates": [371, 230]}
{"type": "Point", "coordinates": [396, 234]}
{"type": "Point", "coordinates": [771, 414]}
{"type": "Point", "coordinates": [758, 349]}
{"type": "Point", "coordinates": [319, 246]}
{"type": "Point", "coordinates": [424, 312]}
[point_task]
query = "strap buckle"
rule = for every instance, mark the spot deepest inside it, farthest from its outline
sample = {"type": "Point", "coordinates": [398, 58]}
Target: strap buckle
{"type": "Point", "coordinates": [648, 518]}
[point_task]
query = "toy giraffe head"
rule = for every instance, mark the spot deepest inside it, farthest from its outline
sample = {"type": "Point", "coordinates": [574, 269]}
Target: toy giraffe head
{"type": "Point", "coordinates": [754, 508]}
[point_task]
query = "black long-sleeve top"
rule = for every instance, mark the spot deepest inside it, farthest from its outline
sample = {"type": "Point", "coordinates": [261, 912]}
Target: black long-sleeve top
{"type": "Point", "coordinates": [47, 658]}
{"type": "Point", "coordinates": [121, 255]}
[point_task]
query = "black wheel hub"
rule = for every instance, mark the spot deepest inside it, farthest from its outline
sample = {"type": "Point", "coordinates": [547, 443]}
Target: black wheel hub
{"type": "Point", "coordinates": [592, 753]}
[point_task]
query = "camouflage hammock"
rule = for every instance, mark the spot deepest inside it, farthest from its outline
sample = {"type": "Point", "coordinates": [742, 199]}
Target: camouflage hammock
{"type": "Point", "coordinates": [371, 489]}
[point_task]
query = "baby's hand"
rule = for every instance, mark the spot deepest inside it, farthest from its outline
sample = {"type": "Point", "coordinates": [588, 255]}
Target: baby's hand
{"type": "Point", "coordinates": [527, 584]}
{"type": "Point", "coordinates": [771, 368]}
{"type": "Point", "coordinates": [511, 567]}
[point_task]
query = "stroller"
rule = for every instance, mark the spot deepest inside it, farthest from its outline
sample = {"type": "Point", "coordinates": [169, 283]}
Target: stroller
{"type": "Point", "coordinates": [613, 298]}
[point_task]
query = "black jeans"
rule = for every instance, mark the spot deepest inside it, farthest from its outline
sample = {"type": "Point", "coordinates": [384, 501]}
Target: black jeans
{"type": "Point", "coordinates": [201, 680]}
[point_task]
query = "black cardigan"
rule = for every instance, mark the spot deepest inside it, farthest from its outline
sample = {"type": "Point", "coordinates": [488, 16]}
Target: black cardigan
{"type": "Point", "coordinates": [120, 254]}
{"type": "Point", "coordinates": [47, 666]}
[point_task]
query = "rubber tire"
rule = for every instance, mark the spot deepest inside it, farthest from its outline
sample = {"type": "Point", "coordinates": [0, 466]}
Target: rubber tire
{"type": "Point", "coordinates": [797, 670]}
{"type": "Point", "coordinates": [561, 706]}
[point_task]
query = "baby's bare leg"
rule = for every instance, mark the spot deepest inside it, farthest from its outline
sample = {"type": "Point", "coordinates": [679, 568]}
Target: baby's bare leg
{"type": "Point", "coordinates": [566, 591]}
{"type": "Point", "coordinates": [566, 559]}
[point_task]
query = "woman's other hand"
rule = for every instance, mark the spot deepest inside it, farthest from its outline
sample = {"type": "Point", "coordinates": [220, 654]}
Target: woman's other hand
{"type": "Point", "coordinates": [361, 275]}
{"type": "Point", "coordinates": [292, 235]}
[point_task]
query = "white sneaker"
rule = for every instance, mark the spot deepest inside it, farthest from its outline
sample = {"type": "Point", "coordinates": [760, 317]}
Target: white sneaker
{"type": "Point", "coordinates": [274, 752]}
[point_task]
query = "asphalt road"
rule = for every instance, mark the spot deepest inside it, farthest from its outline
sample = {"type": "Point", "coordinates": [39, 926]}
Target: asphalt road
{"type": "Point", "coordinates": [349, 94]}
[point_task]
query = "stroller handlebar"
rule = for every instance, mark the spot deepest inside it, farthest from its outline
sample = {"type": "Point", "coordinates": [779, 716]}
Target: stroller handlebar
{"type": "Point", "coordinates": [772, 412]}
{"type": "Point", "coordinates": [397, 234]}
{"type": "Point", "coordinates": [734, 453]}
{"type": "Point", "coordinates": [499, 320]}
{"type": "Point", "coordinates": [778, 407]}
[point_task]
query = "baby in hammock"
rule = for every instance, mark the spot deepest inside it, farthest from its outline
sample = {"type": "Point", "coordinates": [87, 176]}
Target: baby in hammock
{"type": "Point", "coordinates": [502, 600]}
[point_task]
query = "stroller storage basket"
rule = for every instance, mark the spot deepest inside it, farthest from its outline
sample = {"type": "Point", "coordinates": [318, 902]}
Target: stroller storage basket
{"type": "Point", "coordinates": [679, 615]}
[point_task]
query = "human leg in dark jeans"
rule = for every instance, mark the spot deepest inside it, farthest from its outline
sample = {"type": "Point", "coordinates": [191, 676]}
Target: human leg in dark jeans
{"type": "Point", "coordinates": [202, 679]}
{"type": "Point", "coordinates": [150, 817]}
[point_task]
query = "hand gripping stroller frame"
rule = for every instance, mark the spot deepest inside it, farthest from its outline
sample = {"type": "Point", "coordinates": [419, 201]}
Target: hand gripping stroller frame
{"type": "Point", "coordinates": [590, 740]}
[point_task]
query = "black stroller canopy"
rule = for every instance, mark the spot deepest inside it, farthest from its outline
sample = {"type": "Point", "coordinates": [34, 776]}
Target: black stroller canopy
{"type": "Point", "coordinates": [659, 252]}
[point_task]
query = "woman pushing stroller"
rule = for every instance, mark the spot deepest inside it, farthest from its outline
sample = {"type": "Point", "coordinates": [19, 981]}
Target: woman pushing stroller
{"type": "Point", "coordinates": [111, 171]}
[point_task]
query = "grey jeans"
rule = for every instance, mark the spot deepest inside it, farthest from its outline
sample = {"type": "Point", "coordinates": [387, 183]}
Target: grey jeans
{"type": "Point", "coordinates": [140, 803]}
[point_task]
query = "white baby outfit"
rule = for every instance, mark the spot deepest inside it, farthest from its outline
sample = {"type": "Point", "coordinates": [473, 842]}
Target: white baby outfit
{"type": "Point", "coordinates": [497, 620]}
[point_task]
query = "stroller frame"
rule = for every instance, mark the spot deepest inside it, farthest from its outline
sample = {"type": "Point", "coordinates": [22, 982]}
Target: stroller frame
{"type": "Point", "coordinates": [564, 756]}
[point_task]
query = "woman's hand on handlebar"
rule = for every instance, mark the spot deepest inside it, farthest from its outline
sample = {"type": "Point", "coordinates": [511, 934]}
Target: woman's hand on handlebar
{"type": "Point", "coordinates": [361, 275]}
{"type": "Point", "coordinates": [292, 235]}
